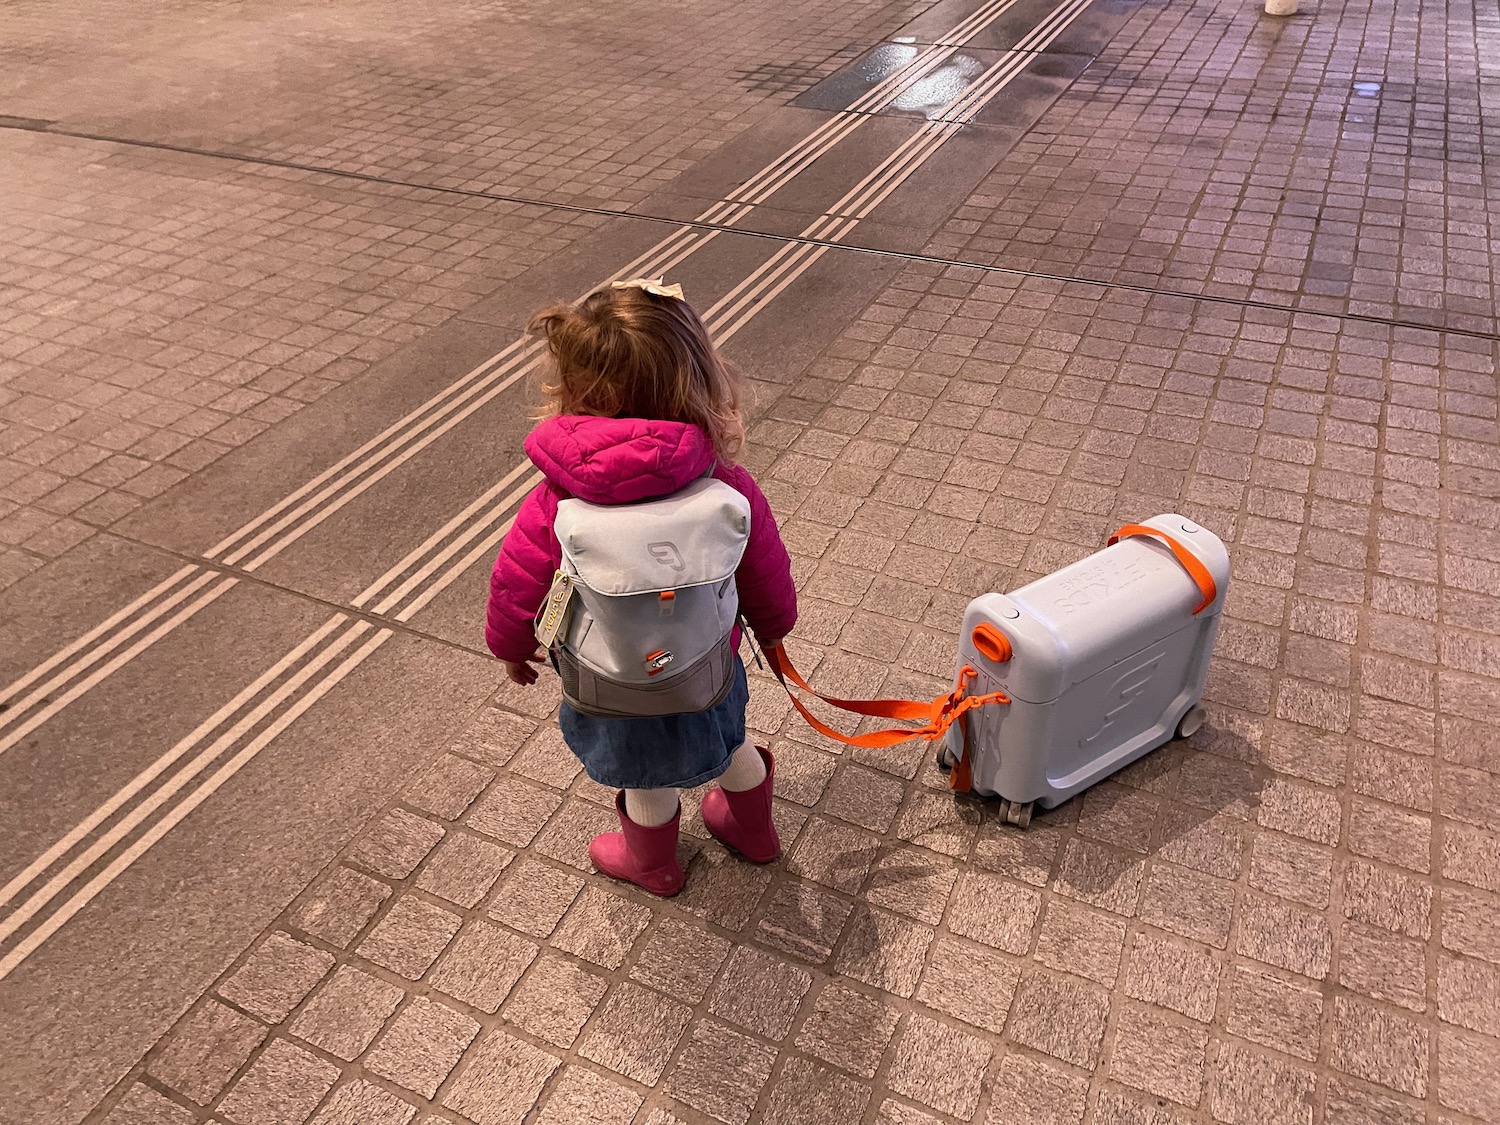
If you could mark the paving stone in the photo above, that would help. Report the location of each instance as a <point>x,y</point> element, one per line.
<point>1077,939</point>
<point>635,1032</point>
<point>205,1051</point>
<point>848,1029</point>
<point>1350,1102</point>
<point>1127,1107</point>
<point>1380,1046</point>
<point>1388,899</point>
<point>1253,1087</point>
<point>1100,876</point>
<point>282,1087</point>
<point>346,1013</point>
<point>482,966</point>
<point>835,855</point>
<point>1311,812</point>
<point>803,920</point>
<point>883,950</point>
<point>463,869</point>
<point>1029,1091</point>
<point>1471,923</point>
<point>601,927</point>
<point>567,835</point>
<point>1274,1013</point>
<point>805,1091</point>
<point>582,1097</point>
<point>1182,976</point>
<point>1059,1017</point>
<point>1189,904</point>
<point>555,1000</point>
<point>277,976</point>
<point>397,844</point>
<point>142,1105</point>
<point>1291,869</point>
<point>939,1066</point>
<point>1468,993</point>
<point>893,1112</point>
<point>681,960</point>
<point>361,1103</point>
<point>338,907</point>
<point>1468,1074</point>
<point>864,797</point>
<point>723,889</point>
<point>937,821</point>
<point>1288,937</point>
<point>720,1072</point>
<point>1159,1055</point>
<point>501,1080</point>
<point>421,1048</point>
<point>994,911</point>
<point>1382,965</point>
<point>913,882</point>
<point>760,992</point>
<point>448,787</point>
<point>513,811</point>
<point>1026,856</point>
<point>410,936</point>
<point>970,983</point>
<point>534,897</point>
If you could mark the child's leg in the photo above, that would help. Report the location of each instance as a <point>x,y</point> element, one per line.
<point>747,769</point>
<point>738,812</point>
<point>651,808</point>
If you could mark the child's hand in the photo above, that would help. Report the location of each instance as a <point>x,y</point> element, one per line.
<point>521,671</point>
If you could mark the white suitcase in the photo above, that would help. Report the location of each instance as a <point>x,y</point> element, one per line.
<point>1103,661</point>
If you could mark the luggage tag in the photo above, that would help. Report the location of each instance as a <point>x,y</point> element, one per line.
<point>552,622</point>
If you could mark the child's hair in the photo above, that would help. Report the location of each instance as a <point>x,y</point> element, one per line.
<point>624,352</point>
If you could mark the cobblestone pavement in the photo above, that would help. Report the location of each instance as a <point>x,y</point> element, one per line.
<point>164,309</point>
<point>1292,918</point>
<point>1341,164</point>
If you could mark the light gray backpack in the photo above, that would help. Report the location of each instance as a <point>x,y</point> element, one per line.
<point>641,612</point>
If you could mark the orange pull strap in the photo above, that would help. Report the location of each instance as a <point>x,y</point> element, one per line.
<point>1190,562</point>
<point>935,716</point>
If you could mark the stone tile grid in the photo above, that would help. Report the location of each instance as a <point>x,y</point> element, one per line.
<point>164,310</point>
<point>1369,119</point>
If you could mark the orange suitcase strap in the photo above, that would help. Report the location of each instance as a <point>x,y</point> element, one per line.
<point>935,715</point>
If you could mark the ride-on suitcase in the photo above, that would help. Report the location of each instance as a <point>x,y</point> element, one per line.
<point>1103,661</point>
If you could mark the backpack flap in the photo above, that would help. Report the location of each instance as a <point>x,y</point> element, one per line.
<point>691,538</point>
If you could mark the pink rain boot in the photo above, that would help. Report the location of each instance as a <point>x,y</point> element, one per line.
<point>644,856</point>
<point>742,821</point>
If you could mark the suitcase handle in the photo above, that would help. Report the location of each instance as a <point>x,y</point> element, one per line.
<point>1190,562</point>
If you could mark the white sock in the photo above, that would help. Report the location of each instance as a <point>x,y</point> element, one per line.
<point>747,769</point>
<point>651,808</point>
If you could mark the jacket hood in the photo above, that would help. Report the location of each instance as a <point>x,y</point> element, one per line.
<point>619,460</point>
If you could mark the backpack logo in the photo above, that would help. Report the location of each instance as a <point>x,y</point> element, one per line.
<point>667,554</point>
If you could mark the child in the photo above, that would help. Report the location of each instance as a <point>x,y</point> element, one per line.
<point>641,405</point>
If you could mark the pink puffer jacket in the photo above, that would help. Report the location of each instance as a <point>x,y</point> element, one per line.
<point>622,461</point>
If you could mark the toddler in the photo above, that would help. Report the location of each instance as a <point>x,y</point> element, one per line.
<point>640,406</point>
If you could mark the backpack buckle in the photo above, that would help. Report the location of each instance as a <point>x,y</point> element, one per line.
<point>657,661</point>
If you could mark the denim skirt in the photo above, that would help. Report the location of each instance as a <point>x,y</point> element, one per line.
<point>664,750</point>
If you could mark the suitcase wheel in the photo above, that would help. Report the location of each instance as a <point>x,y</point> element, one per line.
<point>1016,813</point>
<point>944,760</point>
<point>1192,722</point>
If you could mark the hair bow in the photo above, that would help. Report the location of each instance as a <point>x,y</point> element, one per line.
<point>655,285</point>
